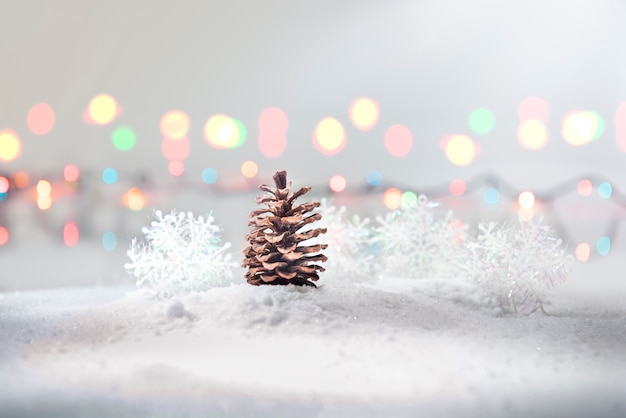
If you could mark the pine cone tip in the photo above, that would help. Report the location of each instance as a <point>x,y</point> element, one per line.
<point>280,179</point>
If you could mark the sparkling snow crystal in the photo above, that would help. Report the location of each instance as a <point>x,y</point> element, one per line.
<point>180,253</point>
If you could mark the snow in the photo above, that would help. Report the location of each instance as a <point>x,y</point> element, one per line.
<point>395,347</point>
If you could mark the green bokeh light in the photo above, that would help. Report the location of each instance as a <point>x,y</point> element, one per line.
<point>124,138</point>
<point>408,199</point>
<point>481,121</point>
<point>600,126</point>
<point>241,138</point>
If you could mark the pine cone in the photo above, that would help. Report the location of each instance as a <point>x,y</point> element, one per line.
<point>275,255</point>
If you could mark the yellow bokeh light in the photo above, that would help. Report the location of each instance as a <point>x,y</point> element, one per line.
<point>526,200</point>
<point>44,188</point>
<point>460,150</point>
<point>175,124</point>
<point>10,145</point>
<point>579,128</point>
<point>44,202</point>
<point>249,169</point>
<point>392,198</point>
<point>135,199</point>
<point>329,137</point>
<point>102,109</point>
<point>221,131</point>
<point>364,113</point>
<point>532,134</point>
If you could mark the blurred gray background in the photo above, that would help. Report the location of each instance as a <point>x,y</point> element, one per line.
<point>428,64</point>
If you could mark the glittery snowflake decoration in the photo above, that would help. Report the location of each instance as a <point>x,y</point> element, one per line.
<point>350,244</point>
<point>517,266</point>
<point>180,253</point>
<point>416,243</point>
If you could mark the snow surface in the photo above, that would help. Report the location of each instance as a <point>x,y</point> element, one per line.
<point>396,347</point>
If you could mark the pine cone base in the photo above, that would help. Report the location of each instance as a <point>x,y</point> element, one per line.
<point>276,255</point>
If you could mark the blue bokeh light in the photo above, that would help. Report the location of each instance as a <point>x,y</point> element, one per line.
<point>109,175</point>
<point>209,175</point>
<point>603,246</point>
<point>491,196</point>
<point>605,190</point>
<point>374,178</point>
<point>109,241</point>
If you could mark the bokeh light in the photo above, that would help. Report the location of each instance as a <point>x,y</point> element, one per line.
<point>580,128</point>
<point>175,149</point>
<point>4,235</point>
<point>533,108</point>
<point>398,140</point>
<point>337,183</point>
<point>102,110</point>
<point>526,200</point>
<point>4,184</point>
<point>408,199</point>
<point>459,149</point>
<point>109,241</point>
<point>44,194</point>
<point>392,198</point>
<point>605,190</point>
<point>374,178</point>
<point>44,202</point>
<point>481,121</point>
<point>457,187</point>
<point>110,175</point>
<point>329,137</point>
<point>124,138</point>
<point>71,234</point>
<point>491,196</point>
<point>620,126</point>
<point>21,179</point>
<point>10,145</point>
<point>457,227</point>
<point>584,188</point>
<point>175,125</point>
<point>221,131</point>
<point>364,113</point>
<point>525,214</point>
<point>135,199</point>
<point>71,173</point>
<point>582,252</point>
<point>176,168</point>
<point>603,246</point>
<point>249,169</point>
<point>44,187</point>
<point>40,119</point>
<point>209,175</point>
<point>4,188</point>
<point>273,120</point>
<point>273,125</point>
<point>532,134</point>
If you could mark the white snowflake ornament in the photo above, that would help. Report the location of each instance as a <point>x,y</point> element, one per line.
<point>181,253</point>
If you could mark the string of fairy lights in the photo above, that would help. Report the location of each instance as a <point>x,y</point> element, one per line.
<point>221,131</point>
